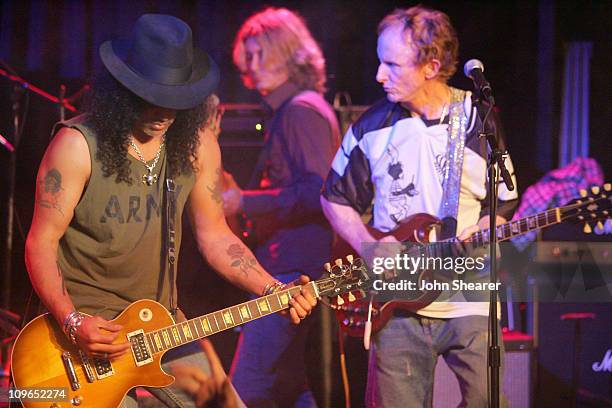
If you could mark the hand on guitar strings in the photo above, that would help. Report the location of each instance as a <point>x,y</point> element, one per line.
<point>482,224</point>
<point>208,390</point>
<point>95,336</point>
<point>386,247</point>
<point>302,304</point>
<point>468,232</point>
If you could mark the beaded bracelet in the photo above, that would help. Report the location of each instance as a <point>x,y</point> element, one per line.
<point>272,287</point>
<point>72,322</point>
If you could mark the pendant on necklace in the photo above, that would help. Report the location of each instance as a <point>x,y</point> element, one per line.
<point>149,179</point>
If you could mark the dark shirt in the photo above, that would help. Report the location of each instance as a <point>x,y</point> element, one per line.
<point>301,140</point>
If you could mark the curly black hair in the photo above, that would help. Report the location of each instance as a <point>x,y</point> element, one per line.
<point>113,109</point>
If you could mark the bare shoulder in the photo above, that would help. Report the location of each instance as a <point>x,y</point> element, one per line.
<point>67,156</point>
<point>63,174</point>
<point>69,145</point>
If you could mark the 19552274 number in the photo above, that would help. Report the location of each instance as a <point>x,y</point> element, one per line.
<point>42,394</point>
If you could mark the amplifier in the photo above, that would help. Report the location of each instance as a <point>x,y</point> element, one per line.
<point>517,378</point>
<point>564,342</point>
<point>241,139</point>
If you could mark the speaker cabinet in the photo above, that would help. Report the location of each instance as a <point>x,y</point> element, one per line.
<point>517,376</point>
<point>562,344</point>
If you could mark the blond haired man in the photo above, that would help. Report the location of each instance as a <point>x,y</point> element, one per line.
<point>278,57</point>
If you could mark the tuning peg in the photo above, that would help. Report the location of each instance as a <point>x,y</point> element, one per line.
<point>583,192</point>
<point>351,297</point>
<point>339,300</point>
<point>349,258</point>
<point>327,266</point>
<point>338,262</point>
<point>587,228</point>
<point>595,189</point>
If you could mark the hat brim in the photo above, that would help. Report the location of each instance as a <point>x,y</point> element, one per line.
<point>204,79</point>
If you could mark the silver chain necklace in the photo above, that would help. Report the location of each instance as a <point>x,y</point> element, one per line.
<point>149,179</point>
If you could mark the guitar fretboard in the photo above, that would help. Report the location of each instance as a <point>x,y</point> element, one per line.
<point>522,226</point>
<point>203,326</point>
<point>504,232</point>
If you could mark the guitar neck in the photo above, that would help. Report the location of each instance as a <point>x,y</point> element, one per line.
<point>521,226</point>
<point>181,333</point>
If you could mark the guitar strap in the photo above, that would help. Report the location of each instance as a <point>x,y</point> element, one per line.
<point>457,126</point>
<point>170,254</point>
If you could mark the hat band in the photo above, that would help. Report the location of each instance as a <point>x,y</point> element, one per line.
<point>157,73</point>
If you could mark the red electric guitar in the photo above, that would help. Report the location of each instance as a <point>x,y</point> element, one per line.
<point>590,209</point>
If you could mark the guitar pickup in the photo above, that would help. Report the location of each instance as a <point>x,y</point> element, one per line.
<point>140,350</point>
<point>103,368</point>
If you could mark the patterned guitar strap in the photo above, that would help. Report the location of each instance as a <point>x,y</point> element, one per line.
<point>457,126</point>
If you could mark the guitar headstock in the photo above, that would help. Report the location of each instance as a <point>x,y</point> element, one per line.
<point>343,278</point>
<point>593,208</point>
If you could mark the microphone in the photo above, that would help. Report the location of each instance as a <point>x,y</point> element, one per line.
<point>474,69</point>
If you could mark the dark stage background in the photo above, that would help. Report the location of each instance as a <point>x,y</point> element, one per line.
<point>520,42</point>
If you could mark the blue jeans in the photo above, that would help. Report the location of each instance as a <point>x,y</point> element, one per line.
<point>269,369</point>
<point>403,360</point>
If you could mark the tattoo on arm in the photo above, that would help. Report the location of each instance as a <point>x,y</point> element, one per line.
<point>241,260</point>
<point>50,190</point>
<point>61,275</point>
<point>216,191</point>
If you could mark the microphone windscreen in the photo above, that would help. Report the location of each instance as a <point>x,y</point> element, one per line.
<point>472,64</point>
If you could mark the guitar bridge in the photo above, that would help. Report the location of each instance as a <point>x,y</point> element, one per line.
<point>140,350</point>
<point>87,367</point>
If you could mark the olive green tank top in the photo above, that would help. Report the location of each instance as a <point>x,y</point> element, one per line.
<point>112,252</point>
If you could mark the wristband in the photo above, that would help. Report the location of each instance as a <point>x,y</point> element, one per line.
<point>273,287</point>
<point>72,321</point>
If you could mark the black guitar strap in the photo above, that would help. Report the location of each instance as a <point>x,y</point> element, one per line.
<point>170,255</point>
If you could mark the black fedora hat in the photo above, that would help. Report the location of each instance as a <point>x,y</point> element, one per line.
<point>159,63</point>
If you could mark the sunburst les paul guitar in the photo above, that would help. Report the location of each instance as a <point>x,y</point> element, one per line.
<point>592,208</point>
<point>43,357</point>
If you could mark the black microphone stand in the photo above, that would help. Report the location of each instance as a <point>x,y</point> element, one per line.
<point>495,165</point>
<point>16,96</point>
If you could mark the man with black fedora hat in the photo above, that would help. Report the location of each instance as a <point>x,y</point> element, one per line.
<point>147,146</point>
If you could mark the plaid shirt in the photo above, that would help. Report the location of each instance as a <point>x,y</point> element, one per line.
<point>555,189</point>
